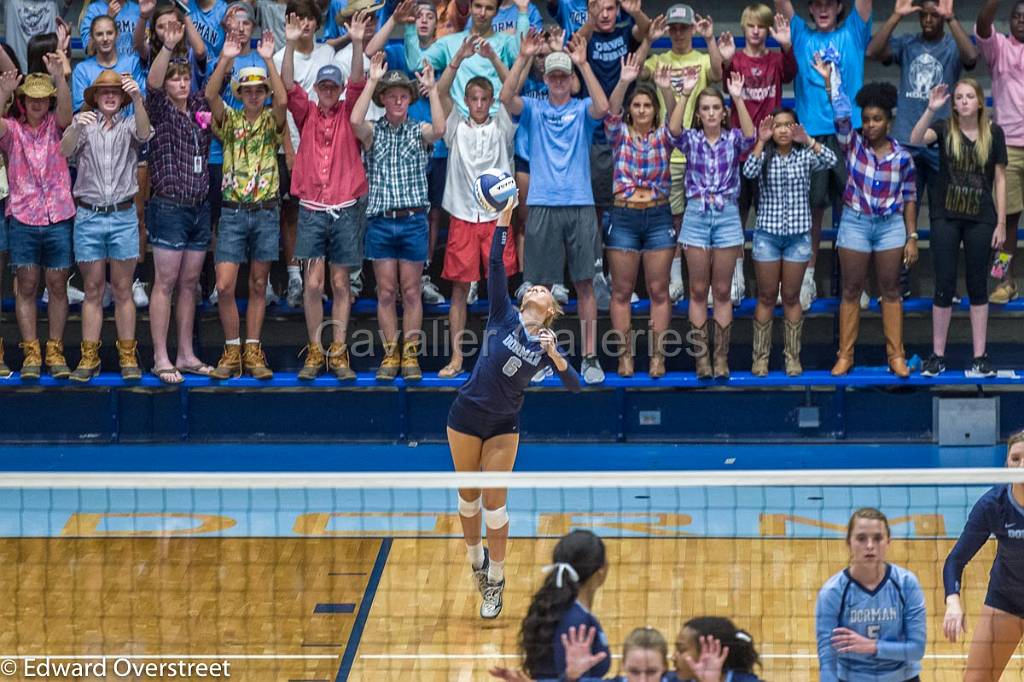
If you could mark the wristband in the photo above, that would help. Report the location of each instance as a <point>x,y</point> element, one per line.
<point>914,236</point>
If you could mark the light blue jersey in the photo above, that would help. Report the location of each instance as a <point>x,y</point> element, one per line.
<point>893,614</point>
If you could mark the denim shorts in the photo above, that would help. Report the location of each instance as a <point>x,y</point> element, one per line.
<point>795,248</point>
<point>106,236</point>
<point>397,238</point>
<point>644,229</point>
<point>4,239</point>
<point>47,246</point>
<point>178,227</point>
<point>338,237</point>
<point>710,228</point>
<point>865,233</point>
<point>244,236</point>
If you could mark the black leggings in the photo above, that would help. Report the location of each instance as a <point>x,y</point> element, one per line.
<point>946,236</point>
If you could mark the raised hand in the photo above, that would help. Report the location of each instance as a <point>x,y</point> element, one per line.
<point>766,128</point>
<point>945,9</point>
<point>468,49</point>
<point>726,46</point>
<point>522,5</point>
<point>173,35</point>
<point>265,48</point>
<point>577,49</point>
<point>708,667</point>
<point>113,8</point>
<point>658,28</point>
<point>578,641</point>
<point>485,49</point>
<point>663,77</point>
<point>800,135</point>
<point>904,8</point>
<point>780,31</point>
<point>691,75</point>
<point>359,26</point>
<point>54,66</point>
<point>556,38</point>
<point>232,48</point>
<point>63,36</point>
<point>822,67</point>
<point>405,12</point>
<point>549,344</point>
<point>938,97</point>
<point>631,68</point>
<point>532,43</point>
<point>86,118</point>
<point>146,8</point>
<point>130,87</point>
<point>426,76</point>
<point>630,7</point>
<point>378,67</point>
<point>9,82</point>
<point>292,28</point>
<point>705,27</point>
<point>735,85</point>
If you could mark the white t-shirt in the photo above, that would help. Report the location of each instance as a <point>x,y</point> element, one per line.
<point>306,68</point>
<point>343,60</point>
<point>472,149</point>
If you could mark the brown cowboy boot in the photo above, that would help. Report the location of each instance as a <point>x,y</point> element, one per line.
<point>792,336</point>
<point>338,362</point>
<point>315,362</point>
<point>702,350</point>
<point>849,325</point>
<point>762,348</point>
<point>32,365</point>
<point>56,364</point>
<point>892,327</point>
<point>721,361</point>
<point>5,371</point>
<point>656,367</point>
<point>254,362</point>
<point>89,365</point>
<point>230,364</point>
<point>128,356</point>
<point>625,368</point>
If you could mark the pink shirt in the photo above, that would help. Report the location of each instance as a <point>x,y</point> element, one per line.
<point>37,173</point>
<point>1005,57</point>
<point>328,164</point>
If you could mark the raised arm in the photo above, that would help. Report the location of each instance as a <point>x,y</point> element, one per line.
<point>486,50</point>
<point>143,129</point>
<point>987,15</point>
<point>511,86</point>
<point>705,28</point>
<point>140,35</point>
<point>9,82</point>
<point>752,166</point>
<point>402,16</point>
<point>722,57</point>
<point>292,33</point>
<point>357,29</point>
<point>690,77</point>
<point>162,59</point>
<point>663,80</point>
<point>785,8</point>
<point>630,70</point>
<point>279,108</point>
<point>864,9</point>
<point>434,131</point>
<point>444,85</point>
<point>922,134</point>
<point>736,92</point>
<point>363,129</point>
<point>577,50</point>
<point>195,41</point>
<point>878,48</point>
<point>55,67</point>
<point>968,50</point>
<point>72,134</point>
<point>498,304</point>
<point>642,21</point>
<point>215,85</point>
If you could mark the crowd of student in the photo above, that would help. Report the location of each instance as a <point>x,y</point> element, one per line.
<point>268,130</point>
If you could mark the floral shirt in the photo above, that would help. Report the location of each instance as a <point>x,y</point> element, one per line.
<point>40,183</point>
<point>250,156</point>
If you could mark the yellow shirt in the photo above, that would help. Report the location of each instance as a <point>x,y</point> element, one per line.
<point>677,63</point>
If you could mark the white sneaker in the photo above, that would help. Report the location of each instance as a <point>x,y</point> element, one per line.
<point>213,297</point>
<point>139,294</point>
<point>474,293</point>
<point>75,295</point>
<point>491,606</point>
<point>108,295</point>
<point>431,294</point>
<point>676,291</point>
<point>272,297</point>
<point>355,282</point>
<point>808,291</point>
<point>739,286</point>
<point>633,298</point>
<point>294,295</point>
<point>561,293</point>
<point>521,291</point>
<point>865,300</point>
<point>602,291</point>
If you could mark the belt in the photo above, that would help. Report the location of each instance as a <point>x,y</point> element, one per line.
<point>251,205</point>
<point>181,202</point>
<point>112,208</point>
<point>402,212</point>
<point>638,205</point>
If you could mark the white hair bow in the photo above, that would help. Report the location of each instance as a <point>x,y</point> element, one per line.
<point>561,568</point>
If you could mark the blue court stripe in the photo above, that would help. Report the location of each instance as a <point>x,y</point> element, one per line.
<point>349,657</point>
<point>334,608</point>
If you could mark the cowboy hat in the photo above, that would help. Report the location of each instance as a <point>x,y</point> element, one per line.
<point>38,85</point>
<point>106,79</point>
<point>395,79</point>
<point>250,75</point>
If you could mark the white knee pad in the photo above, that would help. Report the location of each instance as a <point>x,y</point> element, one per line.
<point>470,508</point>
<point>496,518</point>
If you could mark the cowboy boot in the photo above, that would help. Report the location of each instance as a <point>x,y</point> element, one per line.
<point>702,350</point>
<point>721,360</point>
<point>762,347</point>
<point>892,327</point>
<point>792,335</point>
<point>849,325</point>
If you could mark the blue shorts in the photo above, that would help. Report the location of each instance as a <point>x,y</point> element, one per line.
<point>467,419</point>
<point>644,229</point>
<point>4,239</point>
<point>244,236</point>
<point>865,233</point>
<point>397,238</point>
<point>521,165</point>
<point>710,228</point>
<point>106,236</point>
<point>795,248</point>
<point>1012,604</point>
<point>47,246</point>
<point>178,227</point>
<point>338,238</point>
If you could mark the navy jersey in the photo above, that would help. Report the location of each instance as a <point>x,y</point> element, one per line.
<point>996,513</point>
<point>510,358</point>
<point>893,614</point>
<point>576,616</point>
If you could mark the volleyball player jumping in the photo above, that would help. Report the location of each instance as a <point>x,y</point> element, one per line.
<point>483,423</point>
<point>999,512</point>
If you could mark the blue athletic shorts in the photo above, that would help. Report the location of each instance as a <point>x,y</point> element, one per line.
<point>465,418</point>
<point>1012,604</point>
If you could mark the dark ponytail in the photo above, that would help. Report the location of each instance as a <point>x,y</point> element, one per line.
<point>584,552</point>
<point>742,654</point>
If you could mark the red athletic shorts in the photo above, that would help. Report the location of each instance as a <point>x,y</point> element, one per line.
<point>469,248</point>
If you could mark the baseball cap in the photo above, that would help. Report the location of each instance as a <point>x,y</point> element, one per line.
<point>679,14</point>
<point>329,72</point>
<point>557,61</point>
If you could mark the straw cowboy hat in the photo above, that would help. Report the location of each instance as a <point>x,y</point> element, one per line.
<point>38,85</point>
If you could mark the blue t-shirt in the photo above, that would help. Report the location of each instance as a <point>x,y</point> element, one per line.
<point>506,18</point>
<point>570,15</point>
<point>332,29</point>
<point>86,71</point>
<point>125,20</point>
<point>208,25</point>
<point>559,148</point>
<point>893,614</point>
<point>851,41</point>
<point>923,65</point>
<point>533,88</point>
<point>606,50</point>
<point>996,513</point>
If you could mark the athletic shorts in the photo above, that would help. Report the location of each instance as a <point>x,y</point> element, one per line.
<point>1012,604</point>
<point>467,419</point>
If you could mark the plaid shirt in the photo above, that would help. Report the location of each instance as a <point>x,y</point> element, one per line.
<point>874,186</point>
<point>177,143</point>
<point>397,167</point>
<point>712,170</point>
<point>782,206</point>
<point>641,162</point>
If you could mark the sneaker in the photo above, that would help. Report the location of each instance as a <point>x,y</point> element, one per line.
<point>75,295</point>
<point>676,291</point>
<point>355,282</point>
<point>213,297</point>
<point>933,366</point>
<point>808,291</point>
<point>108,295</point>
<point>633,298</point>
<point>956,299</point>
<point>272,297</point>
<point>521,291</point>
<point>1004,292</point>
<point>431,294</point>
<point>592,372</point>
<point>474,293</point>
<point>480,574</point>
<point>865,300</point>
<point>294,295</point>
<point>981,367</point>
<point>492,599</point>
<point>739,285</point>
<point>561,293</point>
<point>139,294</point>
<point>602,291</point>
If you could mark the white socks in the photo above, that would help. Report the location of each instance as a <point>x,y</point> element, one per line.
<point>495,571</point>
<point>677,269</point>
<point>294,272</point>
<point>476,555</point>
<point>233,342</point>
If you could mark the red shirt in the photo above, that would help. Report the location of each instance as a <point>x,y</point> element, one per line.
<point>762,82</point>
<point>328,164</point>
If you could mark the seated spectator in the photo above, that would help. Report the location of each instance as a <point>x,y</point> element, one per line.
<point>40,208</point>
<point>397,151</point>
<point>104,143</point>
<point>125,15</point>
<point>151,35</point>
<point>249,225</point>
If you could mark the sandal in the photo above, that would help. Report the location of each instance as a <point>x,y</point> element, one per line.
<point>450,371</point>
<point>166,375</point>
<point>202,369</point>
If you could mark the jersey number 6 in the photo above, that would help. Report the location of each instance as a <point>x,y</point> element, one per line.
<point>512,366</point>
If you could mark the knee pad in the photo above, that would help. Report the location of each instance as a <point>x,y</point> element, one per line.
<point>496,518</point>
<point>470,508</point>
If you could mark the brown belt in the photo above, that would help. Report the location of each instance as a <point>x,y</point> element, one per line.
<point>402,212</point>
<point>251,205</point>
<point>639,205</point>
<point>112,208</point>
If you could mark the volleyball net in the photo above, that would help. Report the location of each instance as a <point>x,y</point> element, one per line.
<point>365,577</point>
